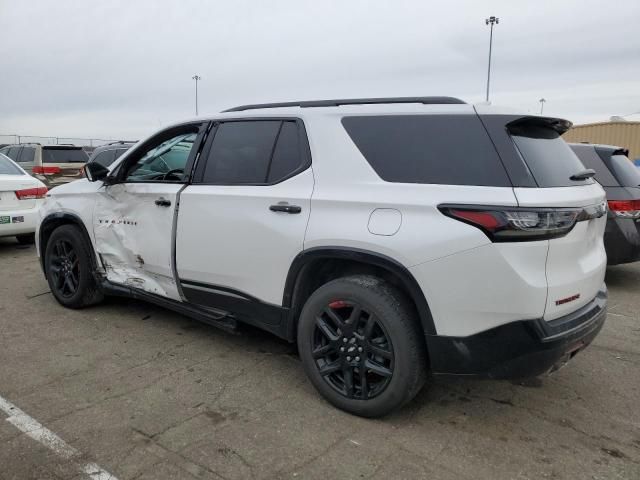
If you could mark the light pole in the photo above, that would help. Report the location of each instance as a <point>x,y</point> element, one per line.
<point>490,21</point>
<point>542,100</point>
<point>196,78</point>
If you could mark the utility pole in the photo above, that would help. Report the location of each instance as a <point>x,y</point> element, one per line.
<point>542,100</point>
<point>490,21</point>
<point>196,78</point>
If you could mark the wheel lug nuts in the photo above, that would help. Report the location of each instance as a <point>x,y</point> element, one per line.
<point>344,340</point>
<point>342,349</point>
<point>360,349</point>
<point>348,359</point>
<point>357,359</point>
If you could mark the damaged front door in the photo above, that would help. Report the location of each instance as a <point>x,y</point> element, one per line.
<point>135,212</point>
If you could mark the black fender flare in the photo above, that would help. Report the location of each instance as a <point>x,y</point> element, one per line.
<point>362,256</point>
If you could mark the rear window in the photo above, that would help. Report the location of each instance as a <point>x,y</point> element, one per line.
<point>7,167</point>
<point>64,155</point>
<point>625,171</point>
<point>549,158</point>
<point>436,149</point>
<point>590,159</point>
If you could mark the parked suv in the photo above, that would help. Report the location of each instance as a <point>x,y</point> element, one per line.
<point>621,181</point>
<point>51,164</point>
<point>105,155</point>
<point>387,237</point>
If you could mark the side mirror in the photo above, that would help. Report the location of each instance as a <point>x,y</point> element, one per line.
<point>94,171</point>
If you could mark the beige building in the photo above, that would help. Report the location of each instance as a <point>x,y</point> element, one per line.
<point>621,134</point>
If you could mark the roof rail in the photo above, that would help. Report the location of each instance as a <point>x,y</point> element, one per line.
<point>118,142</point>
<point>28,143</point>
<point>352,101</point>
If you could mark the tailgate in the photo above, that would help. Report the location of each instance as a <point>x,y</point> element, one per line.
<point>576,263</point>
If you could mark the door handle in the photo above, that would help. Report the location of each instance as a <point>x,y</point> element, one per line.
<point>163,202</point>
<point>283,207</point>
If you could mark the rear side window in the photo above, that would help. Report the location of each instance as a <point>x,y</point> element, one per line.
<point>13,153</point>
<point>105,158</point>
<point>8,168</point>
<point>254,153</point>
<point>590,159</point>
<point>27,155</point>
<point>549,158</point>
<point>287,156</point>
<point>436,149</point>
<point>625,171</point>
<point>64,155</point>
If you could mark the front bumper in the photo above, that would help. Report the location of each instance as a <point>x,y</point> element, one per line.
<point>520,349</point>
<point>622,240</point>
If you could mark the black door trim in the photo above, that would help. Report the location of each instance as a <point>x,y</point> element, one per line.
<point>243,306</point>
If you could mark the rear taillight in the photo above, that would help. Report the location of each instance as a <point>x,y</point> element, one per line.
<point>625,208</point>
<point>31,193</point>
<point>518,224</point>
<point>46,170</point>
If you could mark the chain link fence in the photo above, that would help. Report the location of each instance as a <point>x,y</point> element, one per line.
<point>87,143</point>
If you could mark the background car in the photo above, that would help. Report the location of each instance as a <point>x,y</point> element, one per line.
<point>105,155</point>
<point>51,164</point>
<point>20,198</point>
<point>621,182</point>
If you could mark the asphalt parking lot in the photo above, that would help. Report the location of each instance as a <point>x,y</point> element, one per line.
<point>144,393</point>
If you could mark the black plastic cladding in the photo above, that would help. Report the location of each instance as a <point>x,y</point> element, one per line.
<point>351,101</point>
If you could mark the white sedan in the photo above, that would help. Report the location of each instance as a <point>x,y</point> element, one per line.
<point>20,198</point>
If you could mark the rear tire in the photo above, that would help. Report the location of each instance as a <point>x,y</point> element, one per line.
<point>70,268</point>
<point>361,345</point>
<point>26,239</point>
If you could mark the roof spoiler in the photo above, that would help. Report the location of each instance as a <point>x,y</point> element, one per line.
<point>560,125</point>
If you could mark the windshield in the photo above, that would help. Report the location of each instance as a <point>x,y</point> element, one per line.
<point>625,171</point>
<point>7,167</point>
<point>64,155</point>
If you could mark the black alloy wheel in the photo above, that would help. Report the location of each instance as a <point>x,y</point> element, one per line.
<point>64,267</point>
<point>361,345</point>
<point>352,350</point>
<point>70,268</point>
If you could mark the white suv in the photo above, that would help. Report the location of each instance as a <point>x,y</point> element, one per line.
<point>388,237</point>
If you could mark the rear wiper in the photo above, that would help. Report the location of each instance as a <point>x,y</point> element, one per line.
<point>583,175</point>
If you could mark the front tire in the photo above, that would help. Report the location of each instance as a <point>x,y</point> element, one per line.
<point>70,270</point>
<point>361,346</point>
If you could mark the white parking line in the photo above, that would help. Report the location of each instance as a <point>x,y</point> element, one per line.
<point>31,427</point>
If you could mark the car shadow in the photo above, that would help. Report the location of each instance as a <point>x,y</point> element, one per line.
<point>624,275</point>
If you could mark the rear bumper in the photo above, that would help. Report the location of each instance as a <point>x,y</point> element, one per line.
<point>622,240</point>
<point>20,222</point>
<point>519,349</point>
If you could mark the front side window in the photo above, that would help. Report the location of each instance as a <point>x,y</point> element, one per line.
<point>7,167</point>
<point>163,162</point>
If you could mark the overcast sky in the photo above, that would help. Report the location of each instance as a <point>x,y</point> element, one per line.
<point>122,69</point>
